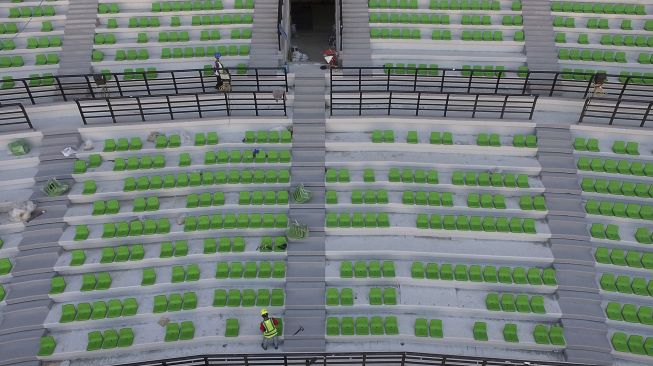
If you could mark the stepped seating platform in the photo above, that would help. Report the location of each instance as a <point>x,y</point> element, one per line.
<point>410,34</point>
<point>34,37</point>
<point>144,37</point>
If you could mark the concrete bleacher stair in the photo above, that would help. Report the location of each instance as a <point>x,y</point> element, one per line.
<point>540,47</point>
<point>78,35</point>
<point>265,50</point>
<point>356,46</point>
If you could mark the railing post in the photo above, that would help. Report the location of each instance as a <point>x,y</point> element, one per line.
<point>206,361</point>
<point>469,81</point>
<point>530,117</point>
<point>113,115</point>
<point>387,84</point>
<point>226,103</point>
<point>582,112</point>
<point>258,86</point>
<point>364,359</point>
<point>390,103</point>
<point>419,97</point>
<point>648,110</point>
<point>285,77</point>
<point>88,83</point>
<point>172,116</point>
<point>255,104</point>
<point>147,83</point>
<point>496,86</point>
<point>503,107</point>
<point>29,92</point>
<point>614,112</point>
<point>403,358</point>
<point>285,113</point>
<point>81,112</point>
<point>115,77</point>
<point>29,122</point>
<point>360,103</point>
<point>444,72</point>
<point>140,108</point>
<point>201,72</point>
<point>446,105</point>
<point>174,81</point>
<point>475,105</point>
<point>415,80</point>
<point>528,75</point>
<point>623,88</point>
<point>553,85</point>
<point>61,90</point>
<point>589,84</point>
<point>199,107</point>
<point>360,81</point>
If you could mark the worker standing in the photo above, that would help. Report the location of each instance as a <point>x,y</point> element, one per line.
<point>269,329</point>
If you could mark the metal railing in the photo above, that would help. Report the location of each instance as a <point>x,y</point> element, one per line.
<point>13,117</point>
<point>340,24</point>
<point>71,87</point>
<point>542,83</point>
<point>279,19</point>
<point>180,106</point>
<point>345,359</point>
<point>617,111</point>
<point>433,104</point>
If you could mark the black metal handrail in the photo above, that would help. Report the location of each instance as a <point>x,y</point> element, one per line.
<point>617,111</point>
<point>179,106</point>
<point>448,80</point>
<point>341,24</point>
<point>279,20</point>
<point>433,104</point>
<point>12,115</point>
<point>353,358</point>
<point>48,89</point>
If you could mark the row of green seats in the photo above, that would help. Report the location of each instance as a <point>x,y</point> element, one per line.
<point>8,28</point>
<point>120,253</point>
<point>340,175</point>
<point>626,24</point>
<point>476,20</point>
<point>567,22</point>
<point>476,223</point>
<point>635,344</point>
<point>106,8</point>
<point>136,163</point>
<point>189,52</point>
<point>92,281</point>
<point>486,179</point>
<point>246,297</point>
<point>615,166</point>
<point>601,231</point>
<point>335,297</point>
<point>200,178</point>
<point>109,339</point>
<point>510,20</point>
<point>225,245</point>
<point>396,33</point>
<point>645,58</point>
<point>261,269</point>
<point>40,42</point>
<point>132,55</point>
<point>468,5</point>
<point>263,297</point>
<point>246,156</point>
<point>478,35</point>
<point>385,296</point>
<point>413,176</point>
<point>263,198</point>
<point>5,266</point>
<point>597,23</point>
<point>142,204</point>
<point>591,55</point>
<point>583,144</point>
<point>492,139</point>
<point>268,137</point>
<point>411,69</point>
<point>532,203</point>
<point>32,11</point>
<point>363,269</point>
<point>644,236</point>
<point>166,6</point>
<point>197,20</point>
<point>205,199</point>
<point>185,274</point>
<point>515,302</point>
<point>375,325</point>
<point>629,313</point>
<point>422,198</point>
<point>393,4</point>
<point>487,200</point>
<point>143,22</point>
<point>626,285</point>
<point>109,207</point>
<point>134,228</point>
<point>277,244</point>
<point>183,331</point>
<point>477,273</point>
<point>357,220</point>
<point>620,257</point>
<point>625,188</point>
<point>379,136</point>
<point>81,166</point>
<point>432,328</point>
<point>413,18</point>
<point>545,335</point>
<point>625,147</point>
<point>184,36</point>
<point>619,209</point>
<point>580,74</point>
<point>113,308</point>
<point>169,249</point>
<point>598,8</point>
<point>489,71</point>
<point>11,61</point>
<point>174,302</point>
<point>236,221</point>
<point>122,144</point>
<point>162,141</point>
<point>630,40</point>
<point>209,138</point>
<point>107,38</point>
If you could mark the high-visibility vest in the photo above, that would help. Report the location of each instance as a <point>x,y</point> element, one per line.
<point>270,329</point>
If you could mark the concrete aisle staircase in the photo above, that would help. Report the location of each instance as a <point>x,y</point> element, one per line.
<point>79,32</point>
<point>304,327</point>
<point>541,52</point>
<point>356,45</point>
<point>27,298</point>
<point>578,292</point>
<point>265,46</point>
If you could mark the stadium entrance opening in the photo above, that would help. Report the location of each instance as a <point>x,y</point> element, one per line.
<point>313,28</point>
